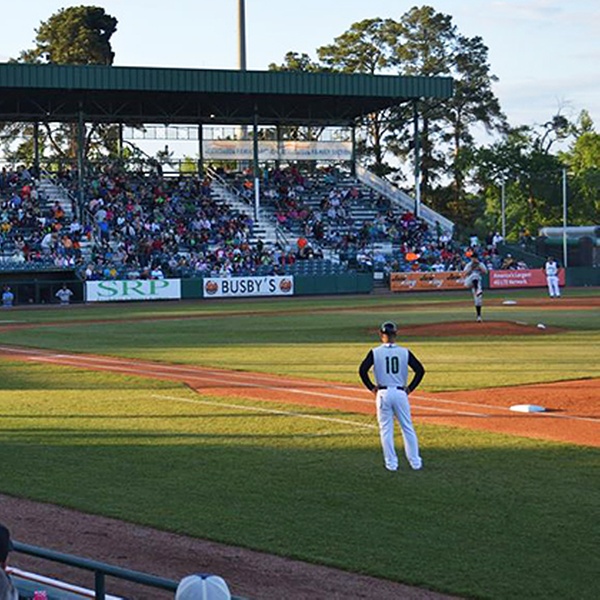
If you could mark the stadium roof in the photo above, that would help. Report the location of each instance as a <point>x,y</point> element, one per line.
<point>109,94</point>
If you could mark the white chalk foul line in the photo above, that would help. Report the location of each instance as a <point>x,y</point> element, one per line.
<point>285,413</point>
<point>133,367</point>
<point>120,367</point>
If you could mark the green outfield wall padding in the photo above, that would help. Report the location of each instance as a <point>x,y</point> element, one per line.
<point>304,285</point>
<point>583,276</point>
<point>347,283</point>
<point>191,288</point>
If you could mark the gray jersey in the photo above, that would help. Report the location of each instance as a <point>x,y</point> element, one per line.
<point>475,270</point>
<point>390,365</point>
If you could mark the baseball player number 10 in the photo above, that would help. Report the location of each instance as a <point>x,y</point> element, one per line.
<point>392,364</point>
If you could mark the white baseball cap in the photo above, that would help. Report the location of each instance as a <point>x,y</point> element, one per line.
<point>202,586</point>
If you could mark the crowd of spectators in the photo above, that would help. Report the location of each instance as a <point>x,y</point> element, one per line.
<point>32,233</point>
<point>140,224</point>
<point>321,208</point>
<point>149,226</point>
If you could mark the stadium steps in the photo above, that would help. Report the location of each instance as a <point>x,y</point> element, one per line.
<point>402,201</point>
<point>50,193</point>
<point>262,229</point>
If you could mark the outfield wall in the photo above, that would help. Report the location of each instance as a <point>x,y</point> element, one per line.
<point>35,292</point>
<point>296,285</point>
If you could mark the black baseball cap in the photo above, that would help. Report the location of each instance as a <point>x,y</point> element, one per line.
<point>389,328</point>
<point>6,544</point>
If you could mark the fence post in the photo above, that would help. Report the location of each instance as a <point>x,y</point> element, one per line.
<point>100,585</point>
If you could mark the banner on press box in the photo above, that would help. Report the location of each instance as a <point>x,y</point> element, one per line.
<point>272,150</point>
<point>135,289</point>
<point>232,287</point>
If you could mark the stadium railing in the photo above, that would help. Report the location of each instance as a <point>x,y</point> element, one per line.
<point>101,570</point>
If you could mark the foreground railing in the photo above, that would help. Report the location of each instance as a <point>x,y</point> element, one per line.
<point>100,570</point>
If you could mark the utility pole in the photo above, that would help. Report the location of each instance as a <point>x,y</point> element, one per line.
<point>564,194</point>
<point>503,208</point>
<point>241,35</point>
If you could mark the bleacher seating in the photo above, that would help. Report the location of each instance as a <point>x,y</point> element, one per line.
<point>35,229</point>
<point>141,224</point>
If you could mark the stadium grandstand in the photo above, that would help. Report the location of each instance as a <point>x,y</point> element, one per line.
<point>119,220</point>
<point>130,218</point>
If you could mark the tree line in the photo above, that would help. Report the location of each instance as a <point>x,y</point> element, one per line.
<point>459,176</point>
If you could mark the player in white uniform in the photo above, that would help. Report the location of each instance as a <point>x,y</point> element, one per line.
<point>64,295</point>
<point>473,274</point>
<point>551,270</point>
<point>390,364</point>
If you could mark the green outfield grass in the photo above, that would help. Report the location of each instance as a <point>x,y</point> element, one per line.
<point>326,339</point>
<point>491,516</point>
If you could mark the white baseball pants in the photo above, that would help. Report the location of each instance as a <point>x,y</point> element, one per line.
<point>393,402</point>
<point>553,287</point>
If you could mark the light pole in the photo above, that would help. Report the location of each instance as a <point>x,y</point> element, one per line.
<point>564,195</point>
<point>503,208</point>
<point>241,35</point>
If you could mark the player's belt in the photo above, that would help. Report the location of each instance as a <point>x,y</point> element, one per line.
<point>390,387</point>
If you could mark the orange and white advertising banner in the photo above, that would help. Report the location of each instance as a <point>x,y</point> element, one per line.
<point>231,287</point>
<point>519,278</point>
<point>410,282</point>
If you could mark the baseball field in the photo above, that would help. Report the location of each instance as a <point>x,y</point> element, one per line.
<point>244,423</point>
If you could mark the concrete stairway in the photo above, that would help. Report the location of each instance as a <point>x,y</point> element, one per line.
<point>263,229</point>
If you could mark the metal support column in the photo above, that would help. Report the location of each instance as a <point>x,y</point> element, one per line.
<point>80,163</point>
<point>36,149</point>
<point>256,170</point>
<point>503,208</point>
<point>417,159</point>
<point>279,145</point>
<point>353,158</point>
<point>120,142</point>
<point>200,151</point>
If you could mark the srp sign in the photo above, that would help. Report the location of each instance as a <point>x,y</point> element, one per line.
<point>134,289</point>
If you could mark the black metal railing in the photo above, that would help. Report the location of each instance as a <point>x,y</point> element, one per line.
<point>100,570</point>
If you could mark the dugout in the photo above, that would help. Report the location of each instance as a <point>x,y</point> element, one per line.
<point>40,286</point>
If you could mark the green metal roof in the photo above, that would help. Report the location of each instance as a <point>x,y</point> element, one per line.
<point>140,94</point>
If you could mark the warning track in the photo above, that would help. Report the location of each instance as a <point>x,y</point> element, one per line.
<point>573,413</point>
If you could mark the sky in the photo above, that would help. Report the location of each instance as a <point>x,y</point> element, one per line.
<point>545,53</point>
